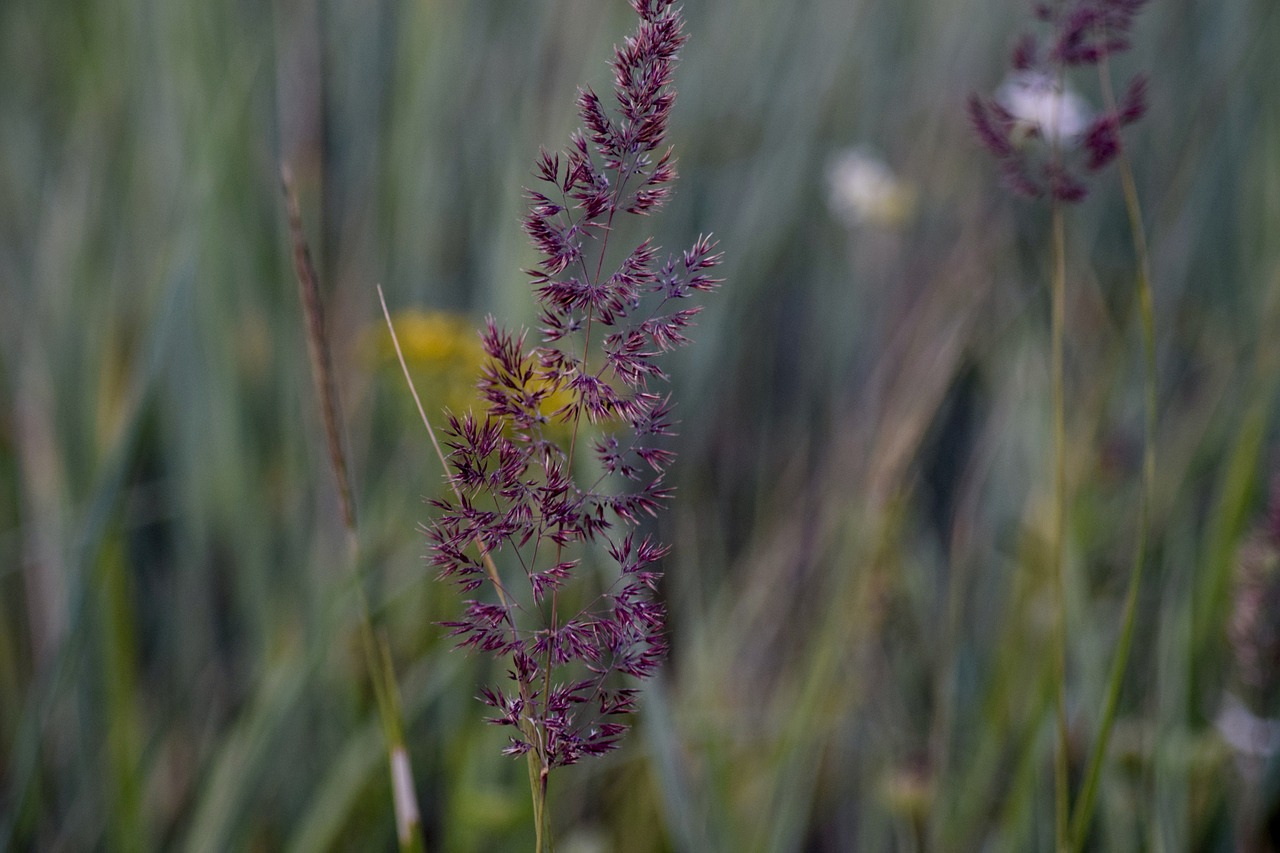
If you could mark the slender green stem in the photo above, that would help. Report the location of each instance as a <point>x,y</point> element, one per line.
<point>1088,794</point>
<point>1058,531</point>
<point>535,770</point>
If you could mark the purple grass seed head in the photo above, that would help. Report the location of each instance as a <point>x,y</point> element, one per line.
<point>521,522</point>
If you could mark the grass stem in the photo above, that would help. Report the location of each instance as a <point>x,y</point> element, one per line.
<point>1058,530</point>
<point>1146,312</point>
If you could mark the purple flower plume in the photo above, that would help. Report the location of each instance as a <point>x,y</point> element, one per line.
<point>523,517</point>
<point>1035,127</point>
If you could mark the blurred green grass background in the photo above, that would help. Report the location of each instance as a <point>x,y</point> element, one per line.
<point>859,601</point>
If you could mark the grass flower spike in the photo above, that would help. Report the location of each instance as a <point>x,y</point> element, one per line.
<point>528,514</point>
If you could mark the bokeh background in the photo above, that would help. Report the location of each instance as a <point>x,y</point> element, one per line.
<point>860,604</point>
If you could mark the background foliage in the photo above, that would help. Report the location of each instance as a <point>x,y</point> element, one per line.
<point>859,602</point>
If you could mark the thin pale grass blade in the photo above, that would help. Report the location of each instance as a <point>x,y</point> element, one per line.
<point>426,422</point>
<point>490,568</point>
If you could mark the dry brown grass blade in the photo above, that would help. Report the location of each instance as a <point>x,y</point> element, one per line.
<point>318,349</point>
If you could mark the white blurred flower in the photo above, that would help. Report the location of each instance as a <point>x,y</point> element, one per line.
<point>1245,732</point>
<point>862,189</point>
<point>1038,102</point>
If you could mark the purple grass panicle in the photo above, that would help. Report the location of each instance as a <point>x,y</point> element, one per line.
<point>528,513</point>
<point>1043,135</point>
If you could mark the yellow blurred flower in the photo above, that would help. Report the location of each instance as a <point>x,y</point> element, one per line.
<point>445,359</point>
<point>433,338</point>
<point>442,351</point>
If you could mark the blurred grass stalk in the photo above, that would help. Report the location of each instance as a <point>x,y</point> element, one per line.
<point>376,651</point>
<point>1083,811</point>
<point>1057,543</point>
